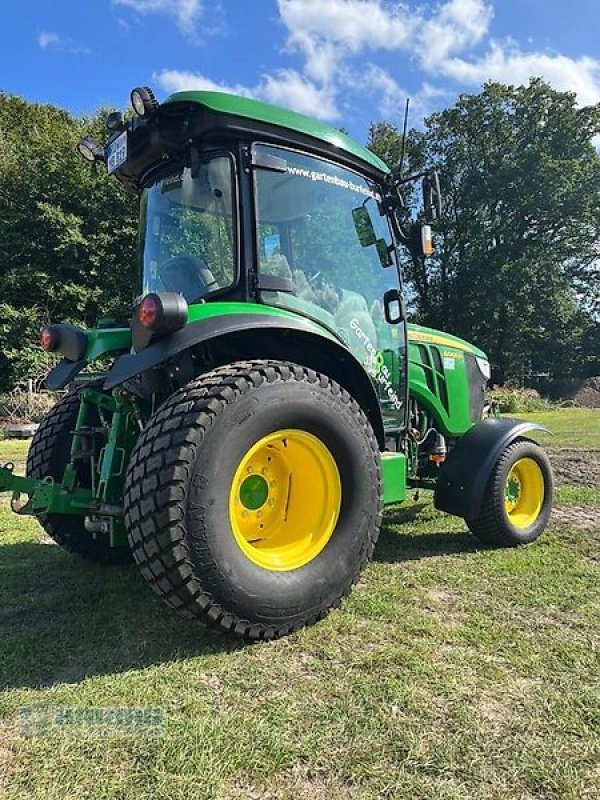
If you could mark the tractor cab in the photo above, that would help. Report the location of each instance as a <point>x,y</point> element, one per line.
<point>240,201</point>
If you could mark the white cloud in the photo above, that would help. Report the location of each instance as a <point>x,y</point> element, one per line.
<point>339,41</point>
<point>186,12</point>
<point>355,24</point>
<point>327,32</point>
<point>330,34</point>
<point>48,39</point>
<point>174,80</point>
<point>391,96</point>
<point>459,25</point>
<point>286,87</point>
<point>508,64</point>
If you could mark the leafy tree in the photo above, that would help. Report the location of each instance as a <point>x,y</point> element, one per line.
<point>67,232</point>
<point>516,267</point>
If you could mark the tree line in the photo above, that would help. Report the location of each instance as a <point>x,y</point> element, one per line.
<point>516,268</point>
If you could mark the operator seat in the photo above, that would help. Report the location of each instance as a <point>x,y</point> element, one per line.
<point>189,276</point>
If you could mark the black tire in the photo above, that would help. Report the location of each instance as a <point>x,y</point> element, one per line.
<point>495,525</point>
<point>177,489</point>
<point>49,453</point>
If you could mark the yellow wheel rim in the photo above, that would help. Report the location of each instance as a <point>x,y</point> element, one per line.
<point>524,493</point>
<point>285,500</point>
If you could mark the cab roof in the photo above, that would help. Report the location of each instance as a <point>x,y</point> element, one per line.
<point>236,106</point>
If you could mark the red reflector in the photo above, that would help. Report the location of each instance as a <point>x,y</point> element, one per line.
<point>47,340</point>
<point>148,311</point>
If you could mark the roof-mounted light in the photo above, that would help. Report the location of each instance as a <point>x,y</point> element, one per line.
<point>143,101</point>
<point>90,150</point>
<point>114,121</point>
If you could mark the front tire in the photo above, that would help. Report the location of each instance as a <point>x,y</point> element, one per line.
<point>517,501</point>
<point>253,498</point>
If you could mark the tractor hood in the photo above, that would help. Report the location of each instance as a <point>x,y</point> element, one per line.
<point>419,333</point>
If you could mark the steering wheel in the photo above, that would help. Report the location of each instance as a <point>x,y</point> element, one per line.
<point>187,275</point>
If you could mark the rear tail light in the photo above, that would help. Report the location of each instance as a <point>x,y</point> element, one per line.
<point>158,314</point>
<point>69,341</point>
<point>148,311</point>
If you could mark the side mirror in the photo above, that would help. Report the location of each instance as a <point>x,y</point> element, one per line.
<point>383,252</point>
<point>432,196</point>
<point>363,226</point>
<point>394,310</point>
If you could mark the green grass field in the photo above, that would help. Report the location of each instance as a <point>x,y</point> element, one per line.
<point>451,672</point>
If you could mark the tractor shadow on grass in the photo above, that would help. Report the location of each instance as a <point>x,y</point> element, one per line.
<point>398,540</point>
<point>63,620</point>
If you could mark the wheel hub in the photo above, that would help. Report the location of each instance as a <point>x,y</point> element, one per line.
<point>254,492</point>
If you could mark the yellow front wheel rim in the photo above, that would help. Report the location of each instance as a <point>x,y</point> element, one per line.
<point>524,493</point>
<point>285,500</point>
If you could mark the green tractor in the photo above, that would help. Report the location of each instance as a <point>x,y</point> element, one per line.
<point>257,415</point>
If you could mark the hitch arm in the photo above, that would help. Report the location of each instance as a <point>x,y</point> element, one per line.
<point>43,495</point>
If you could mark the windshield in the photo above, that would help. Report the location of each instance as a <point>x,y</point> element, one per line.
<point>187,231</point>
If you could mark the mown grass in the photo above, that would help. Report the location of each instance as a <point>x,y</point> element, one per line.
<point>451,672</point>
<point>13,450</point>
<point>570,427</point>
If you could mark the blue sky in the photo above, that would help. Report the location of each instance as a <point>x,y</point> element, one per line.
<point>349,62</point>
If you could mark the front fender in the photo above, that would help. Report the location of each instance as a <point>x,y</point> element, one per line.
<point>463,477</point>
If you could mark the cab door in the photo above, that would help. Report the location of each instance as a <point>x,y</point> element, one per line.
<point>321,230</point>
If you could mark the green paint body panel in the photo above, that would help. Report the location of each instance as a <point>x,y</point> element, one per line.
<point>419,333</point>
<point>107,340</point>
<point>202,311</point>
<point>230,104</point>
<point>444,392</point>
<point>393,468</point>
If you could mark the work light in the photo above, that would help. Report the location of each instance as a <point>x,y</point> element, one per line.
<point>143,101</point>
<point>90,150</point>
<point>114,121</point>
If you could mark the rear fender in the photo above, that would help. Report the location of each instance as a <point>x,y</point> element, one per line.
<point>464,475</point>
<point>264,336</point>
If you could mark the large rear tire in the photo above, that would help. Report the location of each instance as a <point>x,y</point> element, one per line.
<point>253,498</point>
<point>49,454</point>
<point>517,501</point>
